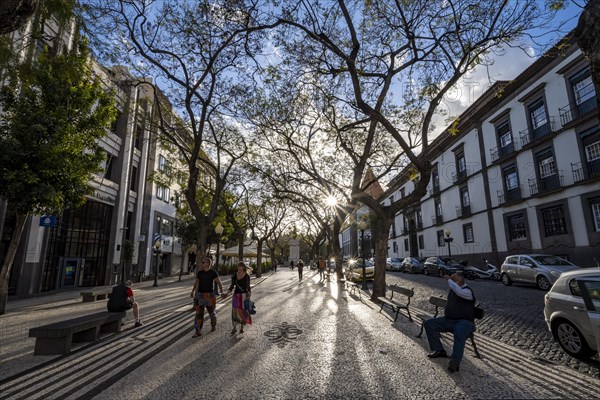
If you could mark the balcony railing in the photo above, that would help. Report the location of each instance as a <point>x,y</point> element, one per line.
<point>509,195</point>
<point>537,186</point>
<point>572,112</point>
<point>403,231</point>
<point>499,152</point>
<point>463,211</point>
<point>419,225</point>
<point>437,219</point>
<point>530,135</point>
<point>456,176</point>
<point>592,170</point>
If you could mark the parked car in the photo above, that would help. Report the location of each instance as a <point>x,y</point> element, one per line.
<point>537,269</point>
<point>414,265</point>
<point>566,316</point>
<point>393,264</point>
<point>442,266</point>
<point>353,270</point>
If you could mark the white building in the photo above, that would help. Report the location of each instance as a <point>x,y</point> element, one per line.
<point>522,175</point>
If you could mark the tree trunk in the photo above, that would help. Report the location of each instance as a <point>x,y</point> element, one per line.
<point>259,245</point>
<point>379,232</point>
<point>9,259</point>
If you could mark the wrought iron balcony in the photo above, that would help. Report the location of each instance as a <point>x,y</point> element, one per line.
<point>463,211</point>
<point>437,219</point>
<point>532,134</point>
<point>537,186</point>
<point>456,176</point>
<point>572,112</point>
<point>499,152</point>
<point>419,225</point>
<point>590,169</point>
<point>509,195</point>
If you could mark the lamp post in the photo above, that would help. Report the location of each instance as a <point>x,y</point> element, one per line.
<point>362,225</point>
<point>448,240</point>
<point>156,251</point>
<point>219,232</point>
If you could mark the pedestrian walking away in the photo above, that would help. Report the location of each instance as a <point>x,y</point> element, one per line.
<point>300,268</point>
<point>121,299</point>
<point>205,297</point>
<point>458,318</point>
<point>321,267</point>
<point>240,284</point>
<point>292,265</point>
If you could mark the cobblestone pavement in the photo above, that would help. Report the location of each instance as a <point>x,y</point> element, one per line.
<point>514,315</point>
<point>309,340</point>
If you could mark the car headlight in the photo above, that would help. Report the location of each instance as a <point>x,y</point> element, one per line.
<point>555,273</point>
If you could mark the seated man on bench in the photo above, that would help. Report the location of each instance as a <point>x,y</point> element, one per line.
<point>459,317</point>
<point>121,299</point>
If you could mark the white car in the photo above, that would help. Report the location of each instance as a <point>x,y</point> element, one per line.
<point>393,264</point>
<point>566,314</point>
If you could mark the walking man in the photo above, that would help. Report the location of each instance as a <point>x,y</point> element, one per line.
<point>121,299</point>
<point>458,318</point>
<point>300,268</point>
<point>205,297</point>
<point>321,267</point>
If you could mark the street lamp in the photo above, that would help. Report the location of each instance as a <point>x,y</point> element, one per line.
<point>448,240</point>
<point>362,225</point>
<point>219,232</point>
<point>156,251</point>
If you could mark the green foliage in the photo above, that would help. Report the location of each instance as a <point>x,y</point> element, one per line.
<point>54,114</point>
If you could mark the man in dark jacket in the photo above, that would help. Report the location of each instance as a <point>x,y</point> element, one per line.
<point>121,299</point>
<point>458,318</point>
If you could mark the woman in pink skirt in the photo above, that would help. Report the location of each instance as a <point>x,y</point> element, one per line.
<point>240,283</point>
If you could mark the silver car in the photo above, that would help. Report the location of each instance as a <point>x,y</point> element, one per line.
<point>566,315</point>
<point>393,264</point>
<point>538,269</point>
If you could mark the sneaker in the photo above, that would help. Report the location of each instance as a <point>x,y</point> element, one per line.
<point>196,335</point>
<point>138,324</point>
<point>233,331</point>
<point>241,330</point>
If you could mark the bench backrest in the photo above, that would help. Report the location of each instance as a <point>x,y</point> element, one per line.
<point>398,289</point>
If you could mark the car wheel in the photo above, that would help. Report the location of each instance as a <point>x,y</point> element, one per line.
<point>571,340</point>
<point>506,280</point>
<point>543,283</point>
<point>496,276</point>
<point>426,271</point>
<point>412,269</point>
<point>442,273</point>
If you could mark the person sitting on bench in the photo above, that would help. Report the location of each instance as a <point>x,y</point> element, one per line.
<point>121,299</point>
<point>459,317</point>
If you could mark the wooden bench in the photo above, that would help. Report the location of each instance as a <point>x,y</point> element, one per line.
<point>57,338</point>
<point>396,305</point>
<point>93,296</point>
<point>353,287</point>
<point>440,304</point>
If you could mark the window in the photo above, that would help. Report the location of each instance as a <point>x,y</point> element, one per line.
<point>592,151</point>
<point>537,113</point>
<point>405,244</point>
<point>419,219</point>
<point>511,181</point>
<point>595,206</point>
<point>468,233</point>
<point>421,242</point>
<point>503,131</point>
<point>438,207</point>
<point>516,227</point>
<point>160,192</point>
<point>555,222</point>
<point>402,191</point>
<point>464,197</point>
<point>108,166</point>
<point>139,136</point>
<point>395,247</point>
<point>133,182</point>
<point>547,166</point>
<point>583,87</point>
<point>440,238</point>
<point>435,179</point>
<point>461,164</point>
<point>162,163</point>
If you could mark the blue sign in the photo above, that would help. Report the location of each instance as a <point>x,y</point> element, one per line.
<point>48,221</point>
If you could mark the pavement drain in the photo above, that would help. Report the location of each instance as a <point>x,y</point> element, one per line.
<point>283,334</point>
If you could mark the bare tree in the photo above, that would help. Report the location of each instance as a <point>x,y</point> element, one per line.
<point>359,52</point>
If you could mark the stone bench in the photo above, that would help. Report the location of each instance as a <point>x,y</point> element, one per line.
<point>440,304</point>
<point>93,296</point>
<point>395,304</point>
<point>57,338</point>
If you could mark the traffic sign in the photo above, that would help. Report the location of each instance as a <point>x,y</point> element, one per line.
<point>48,221</point>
